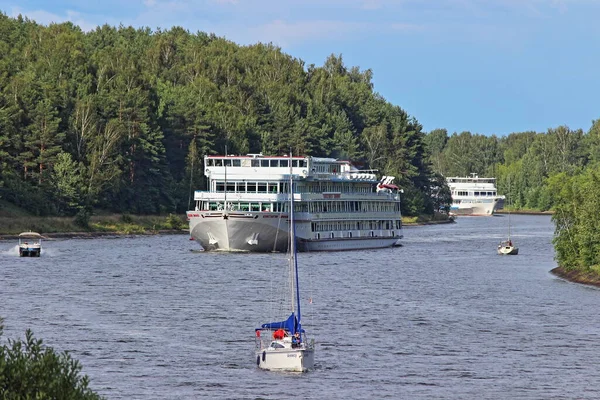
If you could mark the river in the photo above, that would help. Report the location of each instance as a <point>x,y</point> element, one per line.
<point>441,317</point>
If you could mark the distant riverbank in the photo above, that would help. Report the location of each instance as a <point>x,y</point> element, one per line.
<point>577,276</point>
<point>524,212</point>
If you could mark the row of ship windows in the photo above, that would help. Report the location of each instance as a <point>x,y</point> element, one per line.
<point>354,225</point>
<point>277,163</point>
<point>312,207</point>
<point>283,187</point>
<point>333,235</point>
<point>462,193</point>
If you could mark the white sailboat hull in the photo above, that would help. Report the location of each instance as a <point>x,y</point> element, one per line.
<point>292,360</point>
<point>508,250</point>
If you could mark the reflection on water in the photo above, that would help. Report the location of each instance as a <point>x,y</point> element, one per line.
<point>441,317</point>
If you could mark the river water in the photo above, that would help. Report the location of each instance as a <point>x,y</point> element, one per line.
<point>442,317</point>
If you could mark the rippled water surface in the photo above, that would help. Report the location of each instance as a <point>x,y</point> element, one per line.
<point>441,317</point>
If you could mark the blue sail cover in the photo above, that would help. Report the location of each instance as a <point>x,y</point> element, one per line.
<point>291,325</point>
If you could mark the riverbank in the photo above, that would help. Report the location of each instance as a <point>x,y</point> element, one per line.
<point>577,276</point>
<point>524,212</point>
<point>98,225</point>
<point>427,220</point>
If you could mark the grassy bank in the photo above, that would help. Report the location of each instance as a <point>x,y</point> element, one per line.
<point>437,218</point>
<point>589,276</point>
<point>14,220</point>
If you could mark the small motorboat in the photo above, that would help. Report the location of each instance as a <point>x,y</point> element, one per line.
<point>30,244</point>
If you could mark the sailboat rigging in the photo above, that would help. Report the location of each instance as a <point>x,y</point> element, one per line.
<point>507,247</point>
<point>285,346</point>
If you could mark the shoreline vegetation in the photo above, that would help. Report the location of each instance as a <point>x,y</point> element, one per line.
<point>125,224</point>
<point>585,277</point>
<point>98,225</point>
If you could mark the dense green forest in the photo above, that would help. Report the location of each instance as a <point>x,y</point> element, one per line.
<point>120,118</point>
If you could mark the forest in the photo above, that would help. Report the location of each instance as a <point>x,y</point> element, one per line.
<point>120,119</point>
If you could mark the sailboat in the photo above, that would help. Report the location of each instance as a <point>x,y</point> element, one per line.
<point>283,346</point>
<point>507,247</point>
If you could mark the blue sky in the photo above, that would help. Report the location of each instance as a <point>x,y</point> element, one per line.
<point>484,66</point>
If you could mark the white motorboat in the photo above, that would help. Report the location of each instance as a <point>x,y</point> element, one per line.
<point>284,346</point>
<point>30,244</point>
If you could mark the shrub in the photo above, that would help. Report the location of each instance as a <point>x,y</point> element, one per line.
<point>82,218</point>
<point>174,222</point>
<point>29,370</point>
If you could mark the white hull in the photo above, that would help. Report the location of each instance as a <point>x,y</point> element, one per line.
<point>30,250</point>
<point>475,207</point>
<point>266,232</point>
<point>292,360</point>
<point>508,250</point>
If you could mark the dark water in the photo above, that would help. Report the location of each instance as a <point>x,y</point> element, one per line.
<point>443,317</point>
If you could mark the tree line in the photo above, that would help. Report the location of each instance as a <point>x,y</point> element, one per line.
<point>120,118</point>
<point>557,170</point>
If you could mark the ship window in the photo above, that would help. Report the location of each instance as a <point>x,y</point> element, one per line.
<point>255,163</point>
<point>218,163</point>
<point>231,186</point>
<point>476,193</point>
<point>254,206</point>
<point>302,164</point>
<point>227,162</point>
<point>262,187</point>
<point>272,188</point>
<point>264,163</point>
<point>283,163</point>
<point>220,187</point>
<point>209,162</point>
<point>274,163</point>
<point>237,163</point>
<point>295,163</point>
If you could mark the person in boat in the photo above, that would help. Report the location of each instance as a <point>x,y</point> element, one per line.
<point>296,340</point>
<point>279,334</point>
<point>509,243</point>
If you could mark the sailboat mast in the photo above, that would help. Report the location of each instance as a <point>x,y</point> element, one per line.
<point>293,250</point>
<point>225,165</point>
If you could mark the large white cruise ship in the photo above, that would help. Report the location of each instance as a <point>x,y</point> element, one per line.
<point>474,195</point>
<point>337,207</point>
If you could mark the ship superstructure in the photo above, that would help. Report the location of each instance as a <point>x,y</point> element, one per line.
<point>337,206</point>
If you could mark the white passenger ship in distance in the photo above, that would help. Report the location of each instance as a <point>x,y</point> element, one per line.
<point>337,207</point>
<point>474,195</point>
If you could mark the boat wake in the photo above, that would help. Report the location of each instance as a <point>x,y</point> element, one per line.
<point>13,252</point>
